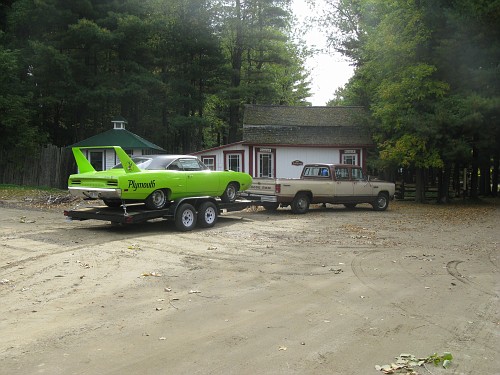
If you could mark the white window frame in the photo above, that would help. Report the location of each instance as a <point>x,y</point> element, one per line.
<point>270,166</point>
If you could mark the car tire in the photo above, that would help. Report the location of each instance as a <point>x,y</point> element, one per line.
<point>350,206</point>
<point>185,217</point>
<point>156,200</point>
<point>300,204</point>
<point>229,195</point>
<point>381,203</point>
<point>207,215</point>
<point>112,203</point>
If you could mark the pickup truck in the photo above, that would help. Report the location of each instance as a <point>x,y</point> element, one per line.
<point>323,183</point>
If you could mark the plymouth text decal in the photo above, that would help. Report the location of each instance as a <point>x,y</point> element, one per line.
<point>140,185</point>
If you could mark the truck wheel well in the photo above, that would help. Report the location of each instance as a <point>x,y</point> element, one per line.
<point>306,192</point>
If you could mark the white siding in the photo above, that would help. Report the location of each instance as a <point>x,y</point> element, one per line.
<point>286,155</point>
<point>219,156</point>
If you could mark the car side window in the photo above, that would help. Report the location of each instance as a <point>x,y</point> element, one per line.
<point>175,166</point>
<point>357,174</point>
<point>342,174</point>
<point>190,165</point>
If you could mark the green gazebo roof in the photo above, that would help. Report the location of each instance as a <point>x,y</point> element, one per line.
<point>118,137</point>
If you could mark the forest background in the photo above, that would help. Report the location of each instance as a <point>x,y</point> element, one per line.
<point>180,72</point>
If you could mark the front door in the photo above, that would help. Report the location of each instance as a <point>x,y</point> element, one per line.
<point>343,183</point>
<point>361,185</point>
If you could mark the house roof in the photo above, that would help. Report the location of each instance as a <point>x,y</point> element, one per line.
<point>118,137</point>
<point>282,125</point>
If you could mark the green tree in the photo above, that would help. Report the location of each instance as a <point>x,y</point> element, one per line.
<point>428,71</point>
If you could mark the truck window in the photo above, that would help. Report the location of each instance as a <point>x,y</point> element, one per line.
<point>342,174</point>
<point>357,174</point>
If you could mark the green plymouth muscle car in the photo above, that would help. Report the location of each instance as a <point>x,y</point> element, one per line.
<point>153,179</point>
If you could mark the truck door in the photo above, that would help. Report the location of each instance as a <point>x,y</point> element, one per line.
<point>361,186</point>
<point>343,184</point>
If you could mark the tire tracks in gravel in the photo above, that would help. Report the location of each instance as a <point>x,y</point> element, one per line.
<point>472,334</point>
<point>452,269</point>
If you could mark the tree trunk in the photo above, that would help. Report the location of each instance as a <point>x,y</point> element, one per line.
<point>420,185</point>
<point>473,175</point>
<point>494,180</point>
<point>485,181</point>
<point>236,63</point>
<point>443,184</point>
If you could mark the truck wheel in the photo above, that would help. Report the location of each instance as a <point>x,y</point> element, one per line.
<point>185,217</point>
<point>229,195</point>
<point>381,203</point>
<point>300,204</point>
<point>156,200</point>
<point>207,215</point>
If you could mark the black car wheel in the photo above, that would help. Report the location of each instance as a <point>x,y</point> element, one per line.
<point>156,200</point>
<point>229,195</point>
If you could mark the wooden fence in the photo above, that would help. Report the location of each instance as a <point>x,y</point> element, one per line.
<point>49,166</point>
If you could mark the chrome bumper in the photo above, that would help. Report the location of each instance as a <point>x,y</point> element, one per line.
<point>95,193</point>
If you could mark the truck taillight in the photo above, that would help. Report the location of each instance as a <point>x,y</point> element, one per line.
<point>277,190</point>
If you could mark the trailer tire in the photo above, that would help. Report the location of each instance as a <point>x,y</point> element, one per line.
<point>300,204</point>
<point>185,217</point>
<point>207,215</point>
<point>157,200</point>
<point>229,195</point>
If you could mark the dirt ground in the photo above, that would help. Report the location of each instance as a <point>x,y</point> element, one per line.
<point>334,291</point>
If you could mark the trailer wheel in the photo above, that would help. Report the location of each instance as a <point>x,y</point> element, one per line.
<point>229,195</point>
<point>185,217</point>
<point>381,203</point>
<point>300,204</point>
<point>156,200</point>
<point>207,215</point>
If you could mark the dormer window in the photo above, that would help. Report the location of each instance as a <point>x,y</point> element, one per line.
<point>119,123</point>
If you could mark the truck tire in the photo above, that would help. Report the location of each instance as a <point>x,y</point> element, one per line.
<point>229,195</point>
<point>156,200</point>
<point>207,215</point>
<point>381,203</point>
<point>185,217</point>
<point>300,204</point>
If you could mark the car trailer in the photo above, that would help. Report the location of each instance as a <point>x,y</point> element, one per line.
<point>186,212</point>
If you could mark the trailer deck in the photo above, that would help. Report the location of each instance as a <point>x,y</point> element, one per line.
<point>138,213</point>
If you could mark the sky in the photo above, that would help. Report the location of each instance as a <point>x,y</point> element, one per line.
<point>329,71</point>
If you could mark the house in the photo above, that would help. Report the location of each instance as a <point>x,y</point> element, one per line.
<point>279,140</point>
<point>134,145</point>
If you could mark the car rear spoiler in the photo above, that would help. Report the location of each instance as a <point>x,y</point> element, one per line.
<point>84,165</point>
